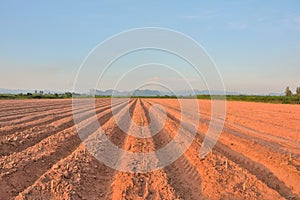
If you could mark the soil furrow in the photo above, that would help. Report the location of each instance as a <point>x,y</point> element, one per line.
<point>37,106</point>
<point>31,168</point>
<point>257,169</point>
<point>273,142</point>
<point>215,176</point>
<point>182,171</point>
<point>25,139</point>
<point>116,135</point>
<point>44,120</point>
<point>257,156</point>
<point>24,117</point>
<point>133,185</point>
<point>269,125</point>
<point>82,168</point>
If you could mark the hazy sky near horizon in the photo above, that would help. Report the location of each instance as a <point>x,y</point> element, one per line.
<point>255,44</point>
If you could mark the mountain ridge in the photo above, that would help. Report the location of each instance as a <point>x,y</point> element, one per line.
<point>144,92</point>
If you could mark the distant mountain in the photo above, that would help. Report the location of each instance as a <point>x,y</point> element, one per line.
<point>109,93</point>
<point>148,92</point>
<point>12,91</point>
<point>203,92</point>
<point>9,91</point>
<point>145,92</point>
<point>276,94</point>
<point>126,93</point>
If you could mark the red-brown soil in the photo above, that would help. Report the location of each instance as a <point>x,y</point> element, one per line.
<point>42,157</point>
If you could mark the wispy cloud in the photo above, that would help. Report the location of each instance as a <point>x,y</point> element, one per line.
<point>191,17</point>
<point>261,19</point>
<point>297,20</point>
<point>295,23</point>
<point>202,16</point>
<point>286,21</point>
<point>237,25</point>
<point>292,23</point>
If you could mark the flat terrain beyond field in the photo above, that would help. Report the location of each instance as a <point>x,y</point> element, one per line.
<point>256,157</point>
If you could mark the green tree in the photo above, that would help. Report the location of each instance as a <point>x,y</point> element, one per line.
<point>298,91</point>
<point>68,94</point>
<point>288,92</point>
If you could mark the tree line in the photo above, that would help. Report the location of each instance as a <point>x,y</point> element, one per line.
<point>37,95</point>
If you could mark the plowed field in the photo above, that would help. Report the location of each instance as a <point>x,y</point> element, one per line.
<point>42,157</point>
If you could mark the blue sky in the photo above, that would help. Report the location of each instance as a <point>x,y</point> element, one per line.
<point>255,44</point>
